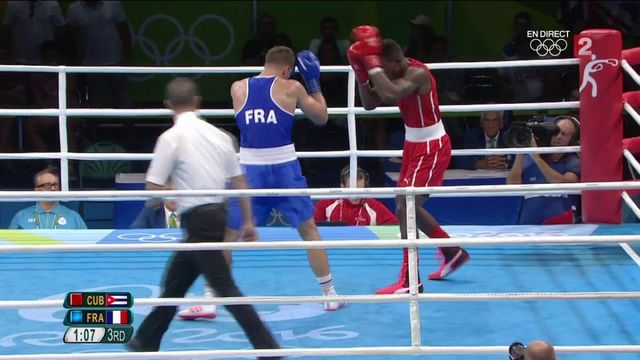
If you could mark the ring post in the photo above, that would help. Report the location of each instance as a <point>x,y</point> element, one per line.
<point>599,52</point>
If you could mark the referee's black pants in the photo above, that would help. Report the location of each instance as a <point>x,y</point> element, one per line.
<point>205,223</point>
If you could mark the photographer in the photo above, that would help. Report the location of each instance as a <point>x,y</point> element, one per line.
<point>536,350</point>
<point>548,168</point>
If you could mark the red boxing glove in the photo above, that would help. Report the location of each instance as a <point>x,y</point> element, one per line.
<point>358,67</point>
<point>364,32</point>
<point>368,55</point>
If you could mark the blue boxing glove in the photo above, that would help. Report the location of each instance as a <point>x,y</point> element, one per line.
<point>309,67</point>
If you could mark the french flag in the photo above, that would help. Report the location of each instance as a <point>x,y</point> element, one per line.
<point>118,317</point>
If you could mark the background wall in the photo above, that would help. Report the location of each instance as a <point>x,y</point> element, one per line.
<point>220,28</point>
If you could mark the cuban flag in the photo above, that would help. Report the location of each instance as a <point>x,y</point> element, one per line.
<point>117,300</point>
<point>118,317</point>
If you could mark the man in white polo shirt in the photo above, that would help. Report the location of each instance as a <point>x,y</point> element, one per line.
<point>198,156</point>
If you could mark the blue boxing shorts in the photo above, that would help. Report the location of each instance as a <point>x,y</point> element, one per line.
<point>234,215</point>
<point>296,209</point>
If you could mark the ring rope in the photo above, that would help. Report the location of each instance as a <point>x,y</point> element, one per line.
<point>300,154</point>
<point>631,111</point>
<point>383,110</point>
<point>430,297</point>
<point>630,71</point>
<point>460,190</point>
<point>631,159</point>
<point>327,244</point>
<point>257,69</point>
<point>354,351</point>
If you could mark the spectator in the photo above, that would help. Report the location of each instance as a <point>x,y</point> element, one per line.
<point>421,37</point>
<point>450,89</point>
<point>329,31</point>
<point>41,131</point>
<point>13,94</point>
<point>158,215</point>
<point>539,350</point>
<point>549,168</point>
<point>103,38</point>
<point>282,39</point>
<point>28,24</point>
<point>488,136</point>
<point>521,24</point>
<point>255,49</point>
<point>47,214</point>
<point>334,84</point>
<point>525,84</point>
<point>354,212</point>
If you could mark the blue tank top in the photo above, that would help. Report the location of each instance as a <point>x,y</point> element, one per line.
<point>262,122</point>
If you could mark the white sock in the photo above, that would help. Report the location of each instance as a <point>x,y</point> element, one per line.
<point>326,283</point>
<point>208,291</point>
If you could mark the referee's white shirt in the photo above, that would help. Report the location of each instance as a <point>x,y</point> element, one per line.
<point>197,155</point>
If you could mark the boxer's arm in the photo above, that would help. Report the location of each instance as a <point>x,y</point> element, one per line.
<point>390,92</point>
<point>314,106</point>
<point>370,100</point>
<point>238,94</point>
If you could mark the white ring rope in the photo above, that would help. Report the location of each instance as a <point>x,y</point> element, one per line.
<point>300,154</point>
<point>257,69</point>
<point>462,190</point>
<point>383,110</point>
<point>630,71</point>
<point>351,352</point>
<point>425,297</point>
<point>631,159</point>
<point>631,111</point>
<point>631,204</point>
<point>325,244</point>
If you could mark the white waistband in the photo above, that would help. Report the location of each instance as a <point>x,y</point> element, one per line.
<point>267,156</point>
<point>433,132</point>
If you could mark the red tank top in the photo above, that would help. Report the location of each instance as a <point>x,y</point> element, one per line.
<point>421,110</point>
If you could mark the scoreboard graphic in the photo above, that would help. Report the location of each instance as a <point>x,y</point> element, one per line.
<point>98,317</point>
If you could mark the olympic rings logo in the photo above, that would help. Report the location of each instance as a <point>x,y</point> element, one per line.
<point>174,47</point>
<point>151,238</point>
<point>548,46</point>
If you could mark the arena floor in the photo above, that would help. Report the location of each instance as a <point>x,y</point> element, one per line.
<point>285,272</point>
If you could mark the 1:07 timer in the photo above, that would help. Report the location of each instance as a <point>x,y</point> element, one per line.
<point>84,335</point>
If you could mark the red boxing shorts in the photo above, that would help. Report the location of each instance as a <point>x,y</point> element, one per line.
<point>424,163</point>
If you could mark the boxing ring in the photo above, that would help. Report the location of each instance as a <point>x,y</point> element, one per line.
<point>576,286</point>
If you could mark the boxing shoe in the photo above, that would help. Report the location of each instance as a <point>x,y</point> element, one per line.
<point>198,312</point>
<point>402,285</point>
<point>332,306</point>
<point>451,265</point>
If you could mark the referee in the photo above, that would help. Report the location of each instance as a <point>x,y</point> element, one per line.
<point>198,156</point>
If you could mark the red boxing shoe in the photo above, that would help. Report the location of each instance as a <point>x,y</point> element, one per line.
<point>402,285</point>
<point>448,267</point>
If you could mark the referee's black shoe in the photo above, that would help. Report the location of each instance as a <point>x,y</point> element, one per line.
<point>136,345</point>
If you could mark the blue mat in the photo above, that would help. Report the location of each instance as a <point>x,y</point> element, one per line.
<point>286,272</point>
